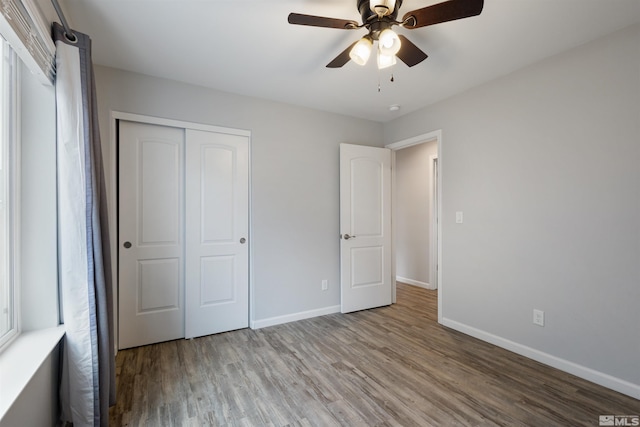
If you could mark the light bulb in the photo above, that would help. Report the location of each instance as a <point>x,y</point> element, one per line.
<point>361,51</point>
<point>389,42</point>
<point>385,61</point>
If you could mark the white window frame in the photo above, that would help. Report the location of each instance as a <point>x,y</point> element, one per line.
<point>11,136</point>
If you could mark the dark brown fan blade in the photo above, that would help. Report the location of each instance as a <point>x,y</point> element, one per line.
<point>321,21</point>
<point>409,53</point>
<point>443,12</point>
<point>341,59</point>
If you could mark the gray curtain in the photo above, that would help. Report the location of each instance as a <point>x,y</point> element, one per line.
<point>88,375</point>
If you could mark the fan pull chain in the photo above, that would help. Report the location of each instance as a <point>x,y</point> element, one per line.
<point>392,79</point>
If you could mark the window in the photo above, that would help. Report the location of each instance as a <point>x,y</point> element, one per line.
<point>8,192</point>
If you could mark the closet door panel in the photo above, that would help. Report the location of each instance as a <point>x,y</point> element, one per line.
<point>151,241</point>
<point>217,198</point>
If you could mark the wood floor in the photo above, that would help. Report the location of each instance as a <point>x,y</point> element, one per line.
<point>392,366</point>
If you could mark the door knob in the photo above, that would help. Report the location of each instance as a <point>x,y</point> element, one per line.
<point>242,240</point>
<point>347,237</point>
<point>127,245</point>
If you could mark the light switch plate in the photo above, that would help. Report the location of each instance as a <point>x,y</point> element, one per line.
<point>459,218</point>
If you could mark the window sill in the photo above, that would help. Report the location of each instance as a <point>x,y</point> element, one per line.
<point>28,351</point>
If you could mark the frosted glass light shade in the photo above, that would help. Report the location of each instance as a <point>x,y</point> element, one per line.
<point>382,7</point>
<point>389,42</point>
<point>361,51</point>
<point>385,61</point>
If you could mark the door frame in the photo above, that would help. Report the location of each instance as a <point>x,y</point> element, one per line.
<point>434,165</point>
<point>115,117</point>
<point>405,143</point>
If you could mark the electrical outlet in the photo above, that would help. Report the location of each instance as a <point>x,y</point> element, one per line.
<point>325,284</point>
<point>538,317</point>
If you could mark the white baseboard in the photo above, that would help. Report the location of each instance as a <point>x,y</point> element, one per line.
<point>600,378</point>
<point>278,320</point>
<point>414,282</point>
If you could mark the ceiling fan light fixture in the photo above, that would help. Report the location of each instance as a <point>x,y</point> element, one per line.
<point>389,42</point>
<point>380,15</point>
<point>382,7</point>
<point>385,61</point>
<point>361,50</point>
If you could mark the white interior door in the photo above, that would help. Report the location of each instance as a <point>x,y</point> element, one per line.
<point>365,227</point>
<point>151,218</point>
<point>217,223</point>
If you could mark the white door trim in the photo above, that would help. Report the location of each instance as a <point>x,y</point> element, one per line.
<point>433,242</point>
<point>405,143</point>
<point>112,202</point>
<point>118,115</point>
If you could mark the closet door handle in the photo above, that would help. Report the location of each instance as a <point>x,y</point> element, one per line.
<point>127,245</point>
<point>243,240</point>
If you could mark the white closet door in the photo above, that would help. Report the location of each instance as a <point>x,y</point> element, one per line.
<point>151,218</point>
<point>217,225</point>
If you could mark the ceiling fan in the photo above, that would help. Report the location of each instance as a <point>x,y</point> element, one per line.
<point>378,17</point>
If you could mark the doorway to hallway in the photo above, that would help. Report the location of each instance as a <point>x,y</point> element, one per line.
<point>416,207</point>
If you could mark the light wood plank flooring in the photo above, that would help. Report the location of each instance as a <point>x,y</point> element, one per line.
<point>391,366</point>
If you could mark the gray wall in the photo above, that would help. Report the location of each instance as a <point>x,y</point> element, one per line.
<point>544,163</point>
<point>294,181</point>
<point>413,212</point>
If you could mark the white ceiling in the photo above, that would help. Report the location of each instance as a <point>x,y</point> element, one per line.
<point>247,47</point>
